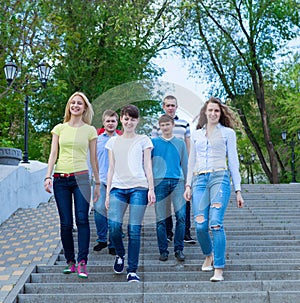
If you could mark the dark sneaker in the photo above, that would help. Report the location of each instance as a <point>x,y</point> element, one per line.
<point>133,277</point>
<point>70,268</point>
<point>112,251</point>
<point>189,239</point>
<point>119,265</point>
<point>100,246</point>
<point>169,238</point>
<point>163,257</point>
<point>179,255</point>
<point>81,270</point>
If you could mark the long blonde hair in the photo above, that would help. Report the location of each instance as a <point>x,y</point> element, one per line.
<point>227,118</point>
<point>88,113</point>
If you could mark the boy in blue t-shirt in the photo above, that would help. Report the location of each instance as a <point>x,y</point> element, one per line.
<point>169,165</point>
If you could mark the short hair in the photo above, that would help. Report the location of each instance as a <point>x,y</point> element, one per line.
<point>130,110</point>
<point>165,118</point>
<point>88,114</point>
<point>109,113</point>
<point>169,97</point>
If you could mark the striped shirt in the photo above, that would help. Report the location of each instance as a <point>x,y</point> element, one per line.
<point>181,129</point>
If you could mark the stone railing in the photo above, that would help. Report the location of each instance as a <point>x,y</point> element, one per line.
<point>21,186</point>
<point>10,156</point>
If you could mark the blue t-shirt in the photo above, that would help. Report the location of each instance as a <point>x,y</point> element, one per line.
<point>169,158</point>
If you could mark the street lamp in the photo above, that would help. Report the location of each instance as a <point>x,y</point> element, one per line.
<point>248,165</point>
<point>11,70</point>
<point>292,144</point>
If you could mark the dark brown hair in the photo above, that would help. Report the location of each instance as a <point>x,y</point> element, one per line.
<point>165,118</point>
<point>227,118</point>
<point>130,110</point>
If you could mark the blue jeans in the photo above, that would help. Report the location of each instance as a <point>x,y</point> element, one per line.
<point>137,199</point>
<point>66,190</point>
<point>210,197</point>
<point>167,191</point>
<point>100,216</point>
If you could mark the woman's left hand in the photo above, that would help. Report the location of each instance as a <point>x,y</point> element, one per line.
<point>151,197</point>
<point>96,193</point>
<point>239,199</point>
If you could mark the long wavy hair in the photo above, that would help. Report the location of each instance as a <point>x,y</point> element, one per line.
<point>227,117</point>
<point>88,113</point>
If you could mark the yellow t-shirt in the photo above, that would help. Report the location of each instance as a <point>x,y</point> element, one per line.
<point>73,147</point>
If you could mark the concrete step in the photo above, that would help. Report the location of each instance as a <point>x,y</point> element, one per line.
<point>168,276</point>
<point>173,266</point>
<point>170,287</point>
<point>204,297</point>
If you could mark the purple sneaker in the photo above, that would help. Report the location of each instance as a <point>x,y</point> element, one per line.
<point>81,270</point>
<point>70,268</point>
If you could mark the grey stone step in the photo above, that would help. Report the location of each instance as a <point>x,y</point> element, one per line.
<point>169,276</point>
<point>170,287</point>
<point>228,297</point>
<point>172,265</point>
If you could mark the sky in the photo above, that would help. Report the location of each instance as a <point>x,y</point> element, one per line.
<point>176,72</point>
<point>190,94</point>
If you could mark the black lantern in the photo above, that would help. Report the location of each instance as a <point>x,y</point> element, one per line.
<point>10,70</point>
<point>44,71</point>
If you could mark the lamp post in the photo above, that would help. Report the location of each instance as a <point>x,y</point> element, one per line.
<point>292,144</point>
<point>11,70</point>
<point>248,165</point>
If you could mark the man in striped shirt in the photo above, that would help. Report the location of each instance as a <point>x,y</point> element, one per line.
<point>181,130</point>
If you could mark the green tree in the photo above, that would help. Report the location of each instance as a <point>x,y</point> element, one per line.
<point>94,46</point>
<point>235,43</point>
<point>104,44</point>
<point>26,39</point>
<point>287,112</point>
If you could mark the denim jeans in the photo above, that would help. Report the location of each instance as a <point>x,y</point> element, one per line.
<point>120,199</point>
<point>167,191</point>
<point>66,190</point>
<point>169,221</point>
<point>210,197</point>
<point>100,216</point>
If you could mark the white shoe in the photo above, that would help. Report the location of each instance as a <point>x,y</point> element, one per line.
<point>217,279</point>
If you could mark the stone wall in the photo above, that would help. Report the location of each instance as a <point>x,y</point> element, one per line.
<point>21,187</point>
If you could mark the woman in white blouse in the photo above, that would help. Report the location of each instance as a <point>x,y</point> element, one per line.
<point>213,155</point>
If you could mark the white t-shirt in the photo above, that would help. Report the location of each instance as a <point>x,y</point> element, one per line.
<point>129,158</point>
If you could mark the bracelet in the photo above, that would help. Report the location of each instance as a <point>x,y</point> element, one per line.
<point>97,183</point>
<point>47,178</point>
<point>188,186</point>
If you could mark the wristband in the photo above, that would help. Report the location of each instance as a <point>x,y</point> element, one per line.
<point>97,183</point>
<point>47,178</point>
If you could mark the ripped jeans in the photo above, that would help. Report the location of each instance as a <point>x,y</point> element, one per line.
<point>210,197</point>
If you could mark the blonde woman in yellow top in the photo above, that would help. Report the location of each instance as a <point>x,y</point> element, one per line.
<point>71,141</point>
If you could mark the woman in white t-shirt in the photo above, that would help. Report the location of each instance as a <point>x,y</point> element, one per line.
<point>129,183</point>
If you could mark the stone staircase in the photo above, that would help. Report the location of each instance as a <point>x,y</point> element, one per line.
<point>263,261</point>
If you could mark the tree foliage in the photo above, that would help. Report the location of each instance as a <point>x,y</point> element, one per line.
<point>236,43</point>
<point>93,46</point>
